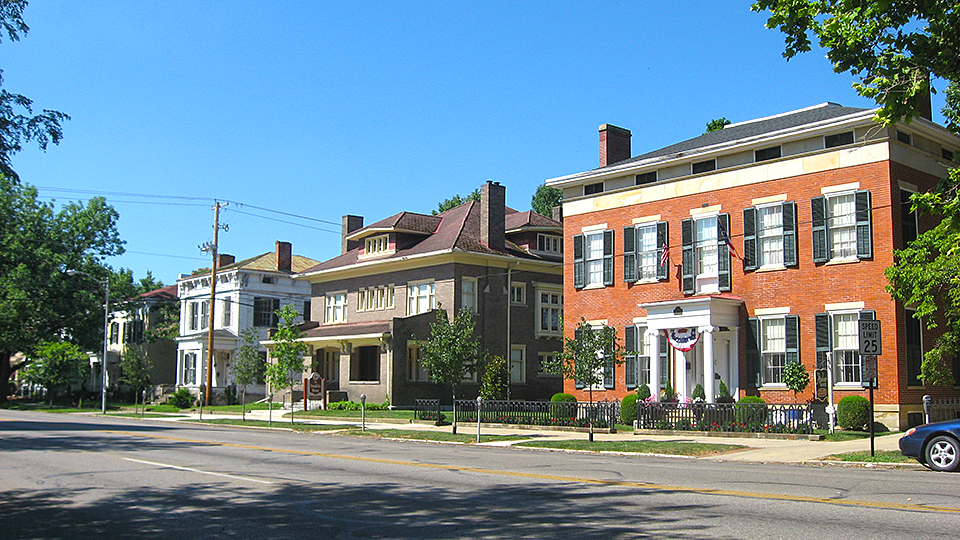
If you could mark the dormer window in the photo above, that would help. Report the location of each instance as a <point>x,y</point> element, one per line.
<point>549,243</point>
<point>377,244</point>
<point>266,279</point>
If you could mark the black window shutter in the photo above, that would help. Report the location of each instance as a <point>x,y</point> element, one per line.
<point>749,239</point>
<point>789,234</point>
<point>579,278</point>
<point>630,254</point>
<point>792,335</point>
<point>689,261</point>
<point>276,318</point>
<point>818,219</point>
<point>663,242</point>
<point>864,234</point>
<point>723,254</point>
<point>630,358</point>
<point>753,352</point>
<point>608,257</point>
<point>608,374</point>
<point>822,332</point>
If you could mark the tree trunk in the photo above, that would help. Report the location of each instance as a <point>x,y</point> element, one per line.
<point>454,392</point>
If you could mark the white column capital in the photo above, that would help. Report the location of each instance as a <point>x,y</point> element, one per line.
<point>708,329</point>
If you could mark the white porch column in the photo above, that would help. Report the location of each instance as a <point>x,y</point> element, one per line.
<point>734,383</point>
<point>653,346</point>
<point>708,362</point>
<point>680,371</point>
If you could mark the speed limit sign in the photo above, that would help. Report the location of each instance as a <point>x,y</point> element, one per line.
<point>870,343</point>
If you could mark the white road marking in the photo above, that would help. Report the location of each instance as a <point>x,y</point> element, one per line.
<point>188,469</point>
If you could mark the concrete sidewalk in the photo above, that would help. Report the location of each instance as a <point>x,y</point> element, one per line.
<point>758,450</point>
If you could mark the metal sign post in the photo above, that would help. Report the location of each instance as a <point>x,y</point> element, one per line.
<point>871,346</point>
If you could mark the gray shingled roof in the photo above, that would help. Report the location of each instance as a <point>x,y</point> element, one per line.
<point>752,128</point>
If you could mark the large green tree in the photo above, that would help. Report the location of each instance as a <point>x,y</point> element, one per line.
<point>249,365</point>
<point>453,352</point>
<point>456,201</point>
<point>59,365</point>
<point>893,46</point>
<point>18,123</point>
<point>39,301</point>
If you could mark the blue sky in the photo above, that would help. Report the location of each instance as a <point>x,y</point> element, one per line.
<point>320,109</point>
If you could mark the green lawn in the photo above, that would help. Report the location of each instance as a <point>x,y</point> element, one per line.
<point>317,413</point>
<point>440,436</point>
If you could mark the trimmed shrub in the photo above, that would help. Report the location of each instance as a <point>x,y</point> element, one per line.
<point>643,392</point>
<point>563,406</point>
<point>668,394</point>
<point>699,393</point>
<point>182,399</point>
<point>750,410</point>
<point>853,413</point>
<point>723,393</point>
<point>628,409</point>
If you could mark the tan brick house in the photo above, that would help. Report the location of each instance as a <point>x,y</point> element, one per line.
<point>729,255</point>
<point>374,301</point>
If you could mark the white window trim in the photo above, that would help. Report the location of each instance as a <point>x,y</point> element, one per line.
<point>476,293</point>
<point>522,287</point>
<point>640,253</point>
<point>551,290</point>
<point>710,282</point>
<point>549,239</point>
<point>828,216</point>
<point>523,364</point>
<point>431,296</point>
<point>833,350</point>
<point>760,238</point>
<point>377,245</point>
<point>763,366</point>
<point>330,310</point>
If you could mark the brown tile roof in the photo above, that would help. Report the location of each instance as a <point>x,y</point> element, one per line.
<point>455,229</point>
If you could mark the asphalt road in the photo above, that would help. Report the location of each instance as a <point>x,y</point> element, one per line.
<point>69,476</point>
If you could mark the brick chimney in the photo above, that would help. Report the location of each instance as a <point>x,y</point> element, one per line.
<point>225,260</point>
<point>349,224</point>
<point>284,256</point>
<point>924,105</point>
<point>493,202</point>
<point>614,144</point>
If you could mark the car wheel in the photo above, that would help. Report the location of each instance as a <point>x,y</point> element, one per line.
<point>943,453</point>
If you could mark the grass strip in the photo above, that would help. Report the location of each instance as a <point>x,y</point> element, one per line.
<point>879,456</point>
<point>641,447</point>
<point>439,436</point>
<point>277,424</point>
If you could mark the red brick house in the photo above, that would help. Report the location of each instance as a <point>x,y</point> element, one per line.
<point>727,256</point>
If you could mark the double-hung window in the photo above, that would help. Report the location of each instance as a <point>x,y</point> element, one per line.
<point>838,332</point>
<point>264,311</point>
<point>705,254</point>
<point>593,259</point>
<point>770,236</point>
<point>841,226</point>
<point>335,308</point>
<point>420,297</point>
<point>773,343</point>
<point>549,243</point>
<point>518,364</point>
<point>643,252</point>
<point>468,294</point>
<point>415,371</point>
<point>637,357</point>
<point>549,312</point>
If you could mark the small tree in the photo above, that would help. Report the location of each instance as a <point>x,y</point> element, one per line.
<point>248,364</point>
<point>717,124</point>
<point>545,199</point>
<point>586,357</point>
<point>796,378</point>
<point>58,365</point>
<point>135,369</point>
<point>288,353</point>
<point>495,383</point>
<point>452,353</point>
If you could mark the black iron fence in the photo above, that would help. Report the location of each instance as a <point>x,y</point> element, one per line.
<point>728,417</point>
<point>605,414</point>
<point>941,409</point>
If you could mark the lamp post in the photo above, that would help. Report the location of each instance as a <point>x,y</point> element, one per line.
<point>106,334</point>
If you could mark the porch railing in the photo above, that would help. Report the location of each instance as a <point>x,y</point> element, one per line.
<point>728,417</point>
<point>941,409</point>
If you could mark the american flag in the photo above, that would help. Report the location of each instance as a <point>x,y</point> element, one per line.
<point>665,256</point>
<point>726,240</point>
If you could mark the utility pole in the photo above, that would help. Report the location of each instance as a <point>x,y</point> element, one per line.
<point>213,249</point>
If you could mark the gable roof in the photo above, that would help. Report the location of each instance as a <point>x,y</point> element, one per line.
<point>163,293</point>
